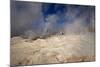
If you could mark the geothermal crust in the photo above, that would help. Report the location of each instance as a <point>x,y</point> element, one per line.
<point>53,49</point>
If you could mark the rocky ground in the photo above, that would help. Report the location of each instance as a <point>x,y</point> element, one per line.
<point>54,49</point>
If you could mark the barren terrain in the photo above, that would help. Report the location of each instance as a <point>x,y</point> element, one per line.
<point>54,49</point>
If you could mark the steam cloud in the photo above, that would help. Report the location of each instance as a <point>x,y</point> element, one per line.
<point>33,20</point>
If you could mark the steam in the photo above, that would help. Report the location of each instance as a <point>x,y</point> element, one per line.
<point>23,16</point>
<point>76,27</point>
<point>28,20</point>
<point>47,27</point>
<point>50,25</point>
